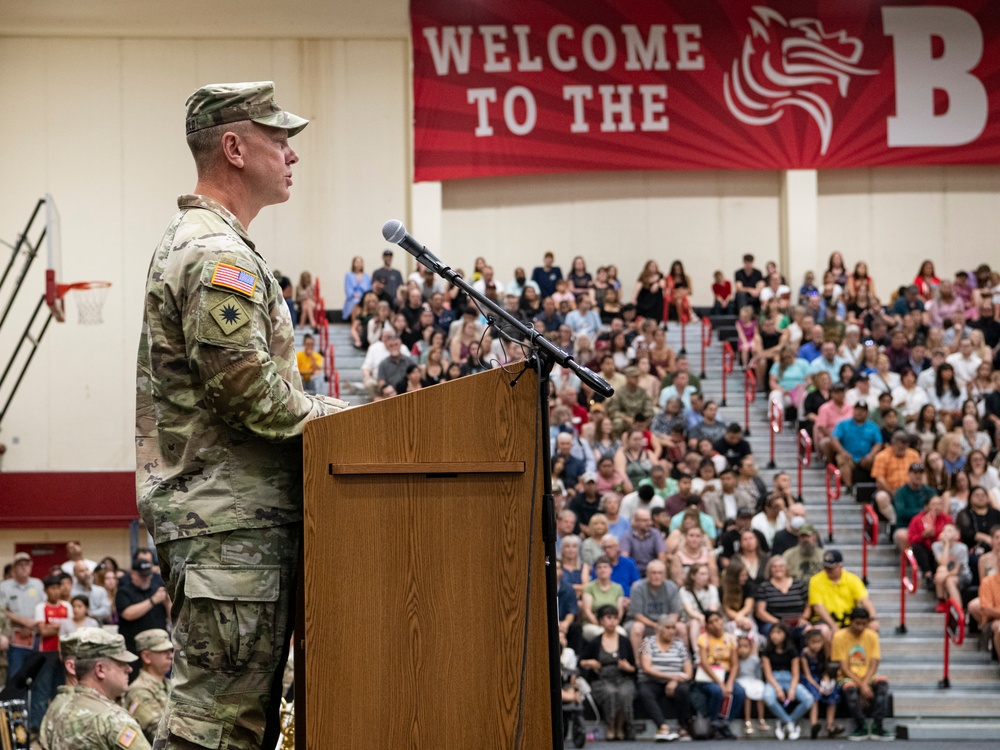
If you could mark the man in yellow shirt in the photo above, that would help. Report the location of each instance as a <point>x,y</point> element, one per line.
<point>310,364</point>
<point>834,593</point>
<point>856,649</point>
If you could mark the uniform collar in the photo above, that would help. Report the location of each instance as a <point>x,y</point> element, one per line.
<point>191,200</point>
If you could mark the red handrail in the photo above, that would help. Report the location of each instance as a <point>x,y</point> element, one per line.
<point>776,419</point>
<point>805,455</point>
<point>728,358</point>
<point>330,372</point>
<point>706,341</point>
<point>869,537</point>
<point>954,632</point>
<point>749,396</point>
<point>832,493</point>
<point>680,318</point>
<point>907,584</point>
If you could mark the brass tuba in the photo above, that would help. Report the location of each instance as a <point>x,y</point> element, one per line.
<point>287,718</point>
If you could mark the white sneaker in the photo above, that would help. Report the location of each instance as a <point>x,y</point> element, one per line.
<point>662,735</point>
<point>779,730</point>
<point>794,731</point>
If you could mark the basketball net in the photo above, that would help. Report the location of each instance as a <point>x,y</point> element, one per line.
<point>89,297</point>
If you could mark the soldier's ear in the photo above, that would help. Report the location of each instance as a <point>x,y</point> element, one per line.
<point>234,148</point>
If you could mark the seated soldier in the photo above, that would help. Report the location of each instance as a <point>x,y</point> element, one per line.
<point>147,696</point>
<point>856,649</point>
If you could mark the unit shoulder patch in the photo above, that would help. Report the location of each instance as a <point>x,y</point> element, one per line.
<point>230,315</point>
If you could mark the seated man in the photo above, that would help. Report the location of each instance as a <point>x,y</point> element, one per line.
<point>856,649</point>
<point>772,519</point>
<point>624,571</point>
<point>643,543</point>
<point>908,501</point>
<point>891,468</point>
<point>651,598</point>
<point>834,593</point>
<point>988,609</point>
<point>854,445</point>
<point>805,559</point>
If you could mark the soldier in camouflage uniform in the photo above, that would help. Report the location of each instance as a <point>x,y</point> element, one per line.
<point>67,655</point>
<point>147,696</point>
<point>220,411</point>
<point>87,716</point>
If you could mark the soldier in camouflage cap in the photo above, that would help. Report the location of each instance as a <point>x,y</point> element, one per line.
<point>222,103</point>
<point>148,694</point>
<point>87,715</point>
<point>220,410</point>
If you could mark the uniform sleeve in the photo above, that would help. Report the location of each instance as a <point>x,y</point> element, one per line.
<point>246,363</point>
<point>144,709</point>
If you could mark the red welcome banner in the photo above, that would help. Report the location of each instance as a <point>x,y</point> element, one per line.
<point>530,86</point>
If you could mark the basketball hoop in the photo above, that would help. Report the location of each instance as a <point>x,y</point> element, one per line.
<point>90,296</point>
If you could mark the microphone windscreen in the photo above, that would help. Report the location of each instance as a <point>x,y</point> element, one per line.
<point>393,231</point>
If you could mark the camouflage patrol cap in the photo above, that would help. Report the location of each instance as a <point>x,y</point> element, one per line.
<point>97,643</point>
<point>155,639</point>
<point>221,103</point>
<point>67,644</point>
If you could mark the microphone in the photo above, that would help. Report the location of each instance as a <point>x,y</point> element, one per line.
<point>395,232</point>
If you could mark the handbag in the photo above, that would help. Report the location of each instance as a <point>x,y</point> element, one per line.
<point>701,728</point>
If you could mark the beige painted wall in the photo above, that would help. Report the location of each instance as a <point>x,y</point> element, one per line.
<point>705,219</point>
<point>100,126</point>
<point>97,543</point>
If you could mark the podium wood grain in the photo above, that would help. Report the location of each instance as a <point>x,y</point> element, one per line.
<point>416,571</point>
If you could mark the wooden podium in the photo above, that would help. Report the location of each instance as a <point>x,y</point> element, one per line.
<point>417,513</point>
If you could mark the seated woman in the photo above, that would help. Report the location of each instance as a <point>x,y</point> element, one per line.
<point>752,557</point>
<point>787,380</point>
<point>716,675</point>
<point>782,599</point>
<point>664,682</point>
<point>575,570</point>
<point>305,297</point>
<point>692,549</point>
<point>782,673</point>
<point>926,428</point>
<point>600,593</point>
<point>698,598</point>
<point>738,602</point>
<point>611,665</point>
<point>590,550</point>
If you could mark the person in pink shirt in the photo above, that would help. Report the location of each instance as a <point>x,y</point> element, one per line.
<point>923,531</point>
<point>832,412</point>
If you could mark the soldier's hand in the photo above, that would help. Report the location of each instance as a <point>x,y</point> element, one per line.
<point>160,596</point>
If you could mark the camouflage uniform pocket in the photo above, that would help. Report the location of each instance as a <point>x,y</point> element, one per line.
<point>232,617</point>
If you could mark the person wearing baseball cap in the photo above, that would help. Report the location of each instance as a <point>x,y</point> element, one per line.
<point>229,420</point>
<point>88,714</point>
<point>834,593</point>
<point>854,445</point>
<point>805,559</point>
<point>20,595</point>
<point>388,276</point>
<point>856,649</point>
<point>147,697</point>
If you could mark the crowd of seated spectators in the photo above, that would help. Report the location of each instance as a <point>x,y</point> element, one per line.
<point>904,398</point>
<point>666,531</point>
<point>671,546</point>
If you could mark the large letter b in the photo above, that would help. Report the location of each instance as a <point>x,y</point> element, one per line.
<point>919,74</point>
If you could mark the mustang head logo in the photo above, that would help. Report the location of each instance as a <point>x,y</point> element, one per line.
<point>782,62</point>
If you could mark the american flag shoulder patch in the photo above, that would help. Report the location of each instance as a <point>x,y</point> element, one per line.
<point>127,737</point>
<point>234,278</point>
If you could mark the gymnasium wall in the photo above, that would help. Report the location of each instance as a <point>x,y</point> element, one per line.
<point>95,97</point>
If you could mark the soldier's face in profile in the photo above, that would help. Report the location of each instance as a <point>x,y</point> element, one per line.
<point>268,163</point>
<point>116,677</point>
